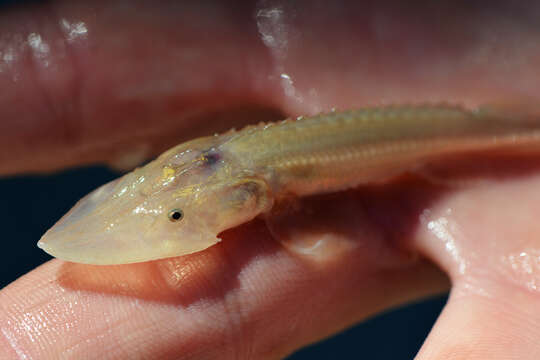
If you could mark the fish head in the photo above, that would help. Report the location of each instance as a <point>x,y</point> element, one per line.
<point>175,205</point>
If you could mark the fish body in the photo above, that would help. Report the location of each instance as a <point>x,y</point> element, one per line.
<point>180,202</point>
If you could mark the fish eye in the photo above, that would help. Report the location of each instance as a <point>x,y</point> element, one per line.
<point>176,215</point>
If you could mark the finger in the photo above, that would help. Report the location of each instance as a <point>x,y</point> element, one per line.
<point>105,82</point>
<point>503,325</point>
<point>486,239</point>
<point>248,297</point>
<point>87,83</point>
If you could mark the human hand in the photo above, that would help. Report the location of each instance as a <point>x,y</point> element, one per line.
<point>108,82</point>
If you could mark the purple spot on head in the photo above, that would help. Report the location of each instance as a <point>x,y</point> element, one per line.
<point>211,157</point>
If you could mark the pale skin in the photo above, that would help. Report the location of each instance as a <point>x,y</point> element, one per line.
<point>250,296</point>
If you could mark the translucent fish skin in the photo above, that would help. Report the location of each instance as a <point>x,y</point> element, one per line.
<point>218,182</point>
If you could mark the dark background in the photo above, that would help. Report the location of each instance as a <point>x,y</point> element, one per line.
<point>31,204</point>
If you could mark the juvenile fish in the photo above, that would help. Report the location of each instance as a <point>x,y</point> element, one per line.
<point>180,202</point>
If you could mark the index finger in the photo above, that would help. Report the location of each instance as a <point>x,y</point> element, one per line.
<point>247,296</point>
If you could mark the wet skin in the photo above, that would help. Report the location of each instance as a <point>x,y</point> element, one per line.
<point>143,77</point>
